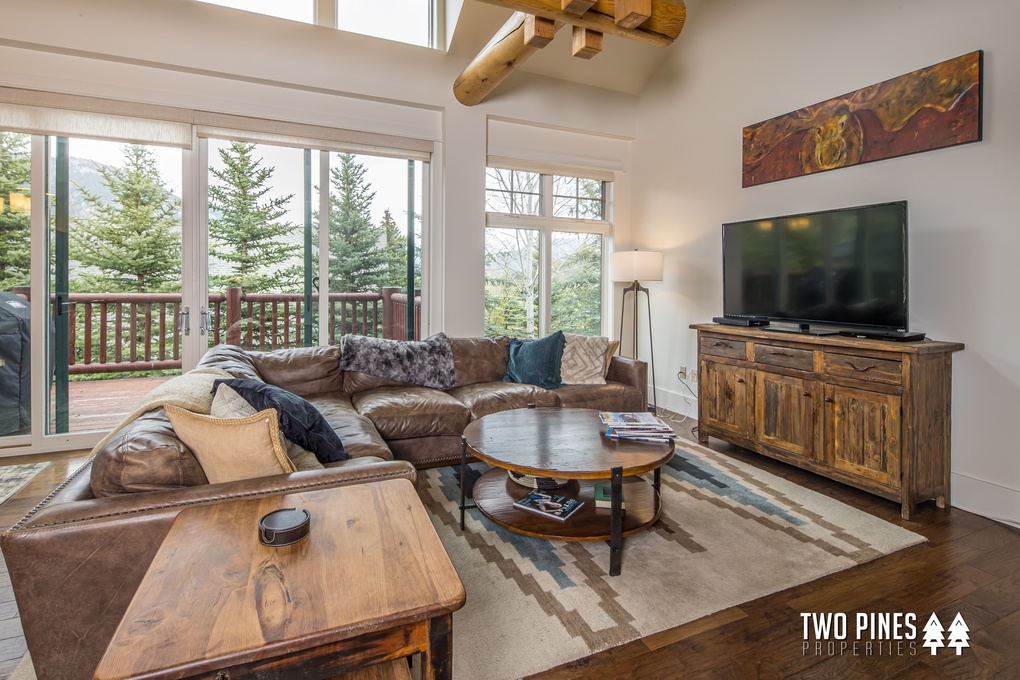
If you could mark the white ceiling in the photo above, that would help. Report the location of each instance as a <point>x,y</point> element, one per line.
<point>623,65</point>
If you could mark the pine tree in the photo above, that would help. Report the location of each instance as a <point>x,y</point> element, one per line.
<point>135,239</point>
<point>357,260</point>
<point>933,634</point>
<point>958,634</point>
<point>15,220</point>
<point>396,252</point>
<point>249,233</point>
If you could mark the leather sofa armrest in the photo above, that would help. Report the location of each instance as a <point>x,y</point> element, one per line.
<point>633,372</point>
<point>74,566</point>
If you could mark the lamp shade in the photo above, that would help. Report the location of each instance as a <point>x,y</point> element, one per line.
<point>635,265</point>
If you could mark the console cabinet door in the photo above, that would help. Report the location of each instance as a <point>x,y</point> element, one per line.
<point>862,433</point>
<point>784,413</point>
<point>725,397</point>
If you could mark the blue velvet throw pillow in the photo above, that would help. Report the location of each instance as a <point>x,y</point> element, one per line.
<point>300,422</point>
<point>536,362</point>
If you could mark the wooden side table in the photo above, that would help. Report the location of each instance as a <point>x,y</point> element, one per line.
<point>372,582</point>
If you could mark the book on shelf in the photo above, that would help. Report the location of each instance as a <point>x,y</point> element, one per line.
<point>604,496</point>
<point>550,505</point>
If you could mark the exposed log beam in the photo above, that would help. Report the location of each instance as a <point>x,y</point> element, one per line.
<point>538,31</point>
<point>576,7</point>
<point>586,42</point>
<point>632,13</point>
<point>505,52</point>
<point>661,29</point>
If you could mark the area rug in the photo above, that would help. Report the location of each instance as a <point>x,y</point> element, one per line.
<point>729,533</point>
<point>14,477</point>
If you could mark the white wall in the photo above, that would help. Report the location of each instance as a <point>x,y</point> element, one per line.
<point>195,55</point>
<point>738,63</point>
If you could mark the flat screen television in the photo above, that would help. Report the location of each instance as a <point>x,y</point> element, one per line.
<point>845,268</point>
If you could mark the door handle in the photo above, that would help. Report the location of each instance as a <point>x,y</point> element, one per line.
<point>204,323</point>
<point>184,317</point>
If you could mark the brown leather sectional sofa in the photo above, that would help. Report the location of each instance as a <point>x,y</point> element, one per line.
<point>77,558</point>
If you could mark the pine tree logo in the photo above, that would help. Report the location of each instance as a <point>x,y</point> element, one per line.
<point>958,634</point>
<point>933,637</point>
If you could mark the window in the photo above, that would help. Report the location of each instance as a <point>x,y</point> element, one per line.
<point>406,21</point>
<point>544,242</point>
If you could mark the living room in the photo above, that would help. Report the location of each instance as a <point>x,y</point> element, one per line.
<point>669,137</point>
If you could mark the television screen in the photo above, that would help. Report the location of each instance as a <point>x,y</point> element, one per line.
<point>840,267</point>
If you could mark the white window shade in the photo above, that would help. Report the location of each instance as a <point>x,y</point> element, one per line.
<point>47,113</point>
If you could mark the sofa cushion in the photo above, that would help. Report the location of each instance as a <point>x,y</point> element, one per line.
<point>356,382</point>
<point>299,421</point>
<point>301,370</point>
<point>491,397</point>
<point>231,449</point>
<point>405,412</point>
<point>477,360</point>
<point>144,455</point>
<point>612,396</point>
<point>536,361</point>
<point>584,360</point>
<point>357,432</point>
<point>235,360</point>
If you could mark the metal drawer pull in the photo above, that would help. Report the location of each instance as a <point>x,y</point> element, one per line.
<point>781,354</point>
<point>828,400</point>
<point>740,381</point>
<point>806,394</point>
<point>720,343</point>
<point>860,369</point>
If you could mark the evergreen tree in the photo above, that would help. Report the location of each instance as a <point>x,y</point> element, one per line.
<point>249,233</point>
<point>357,259</point>
<point>396,251</point>
<point>15,220</point>
<point>134,240</point>
<point>577,283</point>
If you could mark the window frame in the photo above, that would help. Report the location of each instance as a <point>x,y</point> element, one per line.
<point>546,224</point>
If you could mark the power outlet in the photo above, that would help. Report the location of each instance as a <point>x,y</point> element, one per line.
<point>682,373</point>
<point>694,376</point>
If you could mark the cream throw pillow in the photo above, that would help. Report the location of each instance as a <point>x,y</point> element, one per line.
<point>584,360</point>
<point>610,352</point>
<point>230,449</point>
<point>229,404</point>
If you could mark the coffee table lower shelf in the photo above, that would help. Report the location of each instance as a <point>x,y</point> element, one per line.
<point>494,494</point>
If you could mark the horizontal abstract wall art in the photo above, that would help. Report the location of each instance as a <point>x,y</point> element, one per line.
<point>927,109</point>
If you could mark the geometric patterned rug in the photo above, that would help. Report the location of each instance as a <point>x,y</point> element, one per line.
<point>728,533</point>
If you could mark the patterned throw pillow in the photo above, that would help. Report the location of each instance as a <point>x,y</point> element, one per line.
<point>584,360</point>
<point>610,353</point>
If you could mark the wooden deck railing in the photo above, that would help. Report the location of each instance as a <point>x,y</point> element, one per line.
<point>127,332</point>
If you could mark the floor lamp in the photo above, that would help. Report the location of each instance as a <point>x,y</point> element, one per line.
<point>636,266</point>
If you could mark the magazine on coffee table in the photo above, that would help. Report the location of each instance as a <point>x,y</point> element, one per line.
<point>550,505</point>
<point>621,419</point>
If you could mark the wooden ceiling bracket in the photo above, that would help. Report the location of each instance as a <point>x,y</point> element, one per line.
<point>535,22</point>
<point>632,13</point>
<point>538,31</point>
<point>586,42</point>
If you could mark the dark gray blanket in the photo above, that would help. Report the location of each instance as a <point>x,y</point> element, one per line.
<point>428,363</point>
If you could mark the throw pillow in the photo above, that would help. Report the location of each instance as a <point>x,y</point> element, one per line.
<point>536,362</point>
<point>300,422</point>
<point>227,403</point>
<point>584,359</point>
<point>428,363</point>
<point>610,353</point>
<point>229,449</point>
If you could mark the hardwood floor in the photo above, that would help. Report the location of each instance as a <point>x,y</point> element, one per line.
<point>969,565</point>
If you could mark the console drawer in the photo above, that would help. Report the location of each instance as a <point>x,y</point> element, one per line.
<point>863,368</point>
<point>722,347</point>
<point>788,357</point>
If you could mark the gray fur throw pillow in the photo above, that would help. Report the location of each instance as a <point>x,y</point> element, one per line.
<point>428,363</point>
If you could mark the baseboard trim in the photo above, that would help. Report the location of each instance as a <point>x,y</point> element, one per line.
<point>987,499</point>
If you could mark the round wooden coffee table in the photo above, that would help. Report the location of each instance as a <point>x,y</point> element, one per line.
<point>564,443</point>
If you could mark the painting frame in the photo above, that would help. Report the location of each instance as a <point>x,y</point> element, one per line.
<point>930,108</point>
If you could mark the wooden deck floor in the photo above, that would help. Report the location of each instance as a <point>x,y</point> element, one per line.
<point>102,404</point>
<point>970,564</point>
